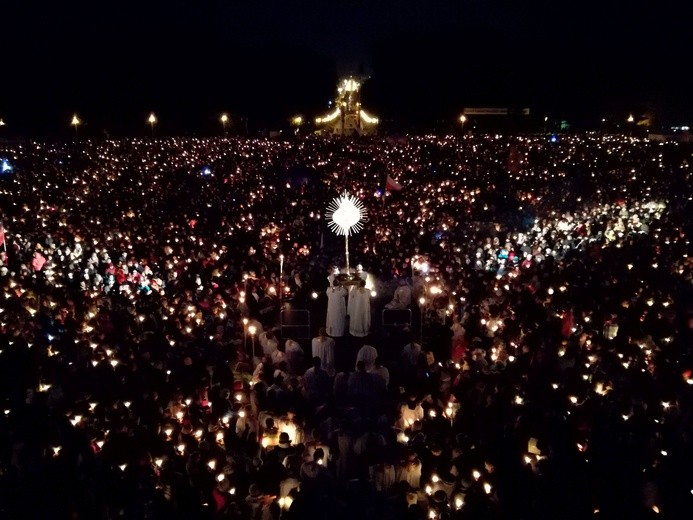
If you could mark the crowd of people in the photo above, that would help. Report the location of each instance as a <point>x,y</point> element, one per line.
<point>539,367</point>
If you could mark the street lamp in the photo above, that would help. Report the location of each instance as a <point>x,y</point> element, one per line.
<point>297,121</point>
<point>152,121</point>
<point>2,122</point>
<point>75,122</point>
<point>463,120</point>
<point>630,119</point>
<point>224,119</point>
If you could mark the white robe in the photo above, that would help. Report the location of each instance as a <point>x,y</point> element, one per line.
<point>411,472</point>
<point>367,354</point>
<point>294,430</point>
<point>269,346</point>
<point>288,485</point>
<point>336,311</point>
<point>384,476</point>
<point>408,416</point>
<point>324,349</point>
<point>294,356</point>
<point>360,312</point>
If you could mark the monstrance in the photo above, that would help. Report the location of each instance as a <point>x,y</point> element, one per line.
<point>346,215</point>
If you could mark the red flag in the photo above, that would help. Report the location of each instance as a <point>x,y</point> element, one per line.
<point>38,262</point>
<point>2,234</point>
<point>392,185</point>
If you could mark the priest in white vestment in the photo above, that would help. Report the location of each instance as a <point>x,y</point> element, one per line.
<point>359,311</point>
<point>268,342</point>
<point>368,355</point>
<point>410,471</point>
<point>336,310</point>
<point>334,272</point>
<point>384,475</point>
<point>323,347</point>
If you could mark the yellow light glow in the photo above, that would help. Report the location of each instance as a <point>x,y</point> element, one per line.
<point>368,119</point>
<point>329,117</point>
<point>350,85</point>
<point>152,119</point>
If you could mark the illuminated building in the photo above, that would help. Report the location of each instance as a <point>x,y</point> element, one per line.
<point>347,116</point>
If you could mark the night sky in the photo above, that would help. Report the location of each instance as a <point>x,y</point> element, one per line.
<point>264,60</point>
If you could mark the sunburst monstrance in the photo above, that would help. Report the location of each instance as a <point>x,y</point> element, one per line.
<point>346,215</point>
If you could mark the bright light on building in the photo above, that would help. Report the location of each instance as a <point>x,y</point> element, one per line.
<point>368,119</point>
<point>329,117</point>
<point>350,85</point>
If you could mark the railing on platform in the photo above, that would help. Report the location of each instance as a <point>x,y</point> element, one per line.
<point>395,318</point>
<point>295,324</point>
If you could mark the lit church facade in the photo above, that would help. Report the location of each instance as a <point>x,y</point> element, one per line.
<point>348,117</point>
